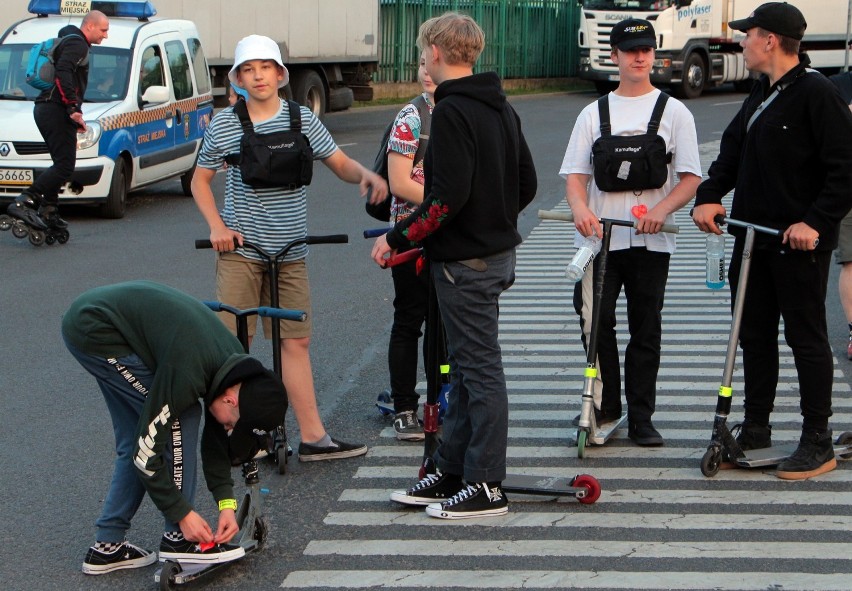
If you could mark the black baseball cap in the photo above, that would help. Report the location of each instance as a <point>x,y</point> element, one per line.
<point>776,17</point>
<point>263,403</point>
<point>632,33</point>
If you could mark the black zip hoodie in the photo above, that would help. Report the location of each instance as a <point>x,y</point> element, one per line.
<point>72,71</point>
<point>793,165</point>
<point>479,174</point>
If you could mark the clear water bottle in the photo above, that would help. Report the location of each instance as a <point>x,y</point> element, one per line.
<point>715,261</point>
<point>588,250</point>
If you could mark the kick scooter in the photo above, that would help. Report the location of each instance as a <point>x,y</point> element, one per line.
<point>589,432</point>
<point>253,528</point>
<point>584,487</point>
<point>279,449</point>
<point>723,441</point>
<point>384,401</point>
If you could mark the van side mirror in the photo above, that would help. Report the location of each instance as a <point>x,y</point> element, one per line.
<point>155,95</point>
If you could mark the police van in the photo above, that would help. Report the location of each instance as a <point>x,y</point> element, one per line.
<point>146,106</point>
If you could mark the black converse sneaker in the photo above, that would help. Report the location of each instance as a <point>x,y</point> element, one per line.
<point>174,546</point>
<point>475,500</point>
<point>105,557</point>
<point>407,427</point>
<point>435,487</point>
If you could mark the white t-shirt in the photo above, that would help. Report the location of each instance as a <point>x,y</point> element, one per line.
<point>630,116</point>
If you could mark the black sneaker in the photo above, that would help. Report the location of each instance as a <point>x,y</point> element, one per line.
<point>435,487</point>
<point>335,451</point>
<point>105,557</point>
<point>177,548</point>
<point>643,433</point>
<point>407,427</point>
<point>474,500</point>
<point>814,456</point>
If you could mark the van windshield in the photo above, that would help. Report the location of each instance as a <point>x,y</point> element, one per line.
<point>639,5</point>
<point>109,69</point>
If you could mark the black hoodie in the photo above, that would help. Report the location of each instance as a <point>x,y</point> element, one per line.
<point>72,71</point>
<point>479,174</point>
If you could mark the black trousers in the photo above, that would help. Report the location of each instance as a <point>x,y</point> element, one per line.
<point>643,275</point>
<point>410,303</point>
<point>789,284</point>
<point>60,134</point>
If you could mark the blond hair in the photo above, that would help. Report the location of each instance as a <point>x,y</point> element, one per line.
<point>457,35</point>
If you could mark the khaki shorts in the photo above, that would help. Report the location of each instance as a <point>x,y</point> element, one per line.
<point>843,254</point>
<point>243,283</point>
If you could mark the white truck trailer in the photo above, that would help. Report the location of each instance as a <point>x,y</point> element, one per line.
<point>330,47</point>
<point>695,48</point>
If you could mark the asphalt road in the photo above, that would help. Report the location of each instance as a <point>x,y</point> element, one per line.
<point>56,441</point>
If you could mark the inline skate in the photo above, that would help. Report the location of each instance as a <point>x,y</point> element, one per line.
<point>26,217</point>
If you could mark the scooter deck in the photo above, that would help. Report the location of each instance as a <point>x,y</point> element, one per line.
<point>192,571</point>
<point>772,456</point>
<point>539,485</point>
<point>600,433</point>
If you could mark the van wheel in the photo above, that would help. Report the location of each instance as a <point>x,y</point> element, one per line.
<point>308,90</point>
<point>186,182</point>
<point>117,198</point>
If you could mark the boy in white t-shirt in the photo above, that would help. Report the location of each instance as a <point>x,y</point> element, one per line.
<point>638,259</point>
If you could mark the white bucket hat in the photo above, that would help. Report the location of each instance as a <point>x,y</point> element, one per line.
<point>257,47</point>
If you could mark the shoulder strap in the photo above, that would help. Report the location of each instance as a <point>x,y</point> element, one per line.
<point>295,116</point>
<point>241,111</point>
<point>603,110</point>
<point>657,113</point>
<point>425,125</point>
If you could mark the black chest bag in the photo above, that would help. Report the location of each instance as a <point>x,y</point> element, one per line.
<point>281,159</point>
<point>630,163</point>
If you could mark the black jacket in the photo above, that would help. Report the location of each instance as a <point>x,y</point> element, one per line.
<point>72,72</point>
<point>479,174</point>
<point>794,164</point>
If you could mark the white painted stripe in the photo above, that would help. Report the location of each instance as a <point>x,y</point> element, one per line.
<point>657,473</point>
<point>570,548</point>
<point>556,451</point>
<point>572,399</point>
<point>595,520</point>
<point>571,579</point>
<point>663,372</point>
<point>657,497</point>
<point>566,433</point>
<point>660,416</point>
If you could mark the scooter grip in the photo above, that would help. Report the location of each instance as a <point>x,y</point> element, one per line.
<point>215,306</point>
<point>282,313</point>
<point>568,217</point>
<point>404,257</point>
<point>374,232</point>
<point>330,239</point>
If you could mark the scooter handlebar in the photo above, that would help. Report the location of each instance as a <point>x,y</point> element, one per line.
<point>265,311</point>
<point>403,257</point>
<point>375,232</point>
<point>567,217</point>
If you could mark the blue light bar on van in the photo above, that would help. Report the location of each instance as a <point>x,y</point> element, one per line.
<point>141,10</point>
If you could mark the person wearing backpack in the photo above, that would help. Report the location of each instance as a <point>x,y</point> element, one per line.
<point>406,148</point>
<point>268,207</point>
<point>59,116</point>
<point>638,260</point>
<point>788,158</point>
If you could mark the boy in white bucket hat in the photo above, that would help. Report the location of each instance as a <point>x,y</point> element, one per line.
<point>271,217</point>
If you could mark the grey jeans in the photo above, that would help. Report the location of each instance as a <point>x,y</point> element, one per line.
<point>476,424</point>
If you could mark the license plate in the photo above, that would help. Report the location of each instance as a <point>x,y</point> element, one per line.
<point>15,176</point>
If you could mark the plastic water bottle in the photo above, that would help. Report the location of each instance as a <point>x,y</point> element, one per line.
<point>715,261</point>
<point>588,250</point>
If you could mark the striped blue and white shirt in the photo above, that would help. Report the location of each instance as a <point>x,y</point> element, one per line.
<point>269,218</point>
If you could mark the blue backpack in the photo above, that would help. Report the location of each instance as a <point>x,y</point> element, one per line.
<point>41,65</point>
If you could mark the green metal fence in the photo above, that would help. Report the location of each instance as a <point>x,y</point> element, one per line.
<point>523,38</point>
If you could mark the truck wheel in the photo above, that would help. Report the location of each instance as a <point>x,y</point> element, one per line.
<point>308,90</point>
<point>694,78</point>
<point>116,201</point>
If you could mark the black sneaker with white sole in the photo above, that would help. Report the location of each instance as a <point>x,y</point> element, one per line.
<point>176,547</point>
<point>433,488</point>
<point>336,451</point>
<point>105,557</point>
<point>475,500</point>
<point>407,427</point>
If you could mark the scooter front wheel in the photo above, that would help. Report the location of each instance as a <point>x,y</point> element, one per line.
<point>582,438</point>
<point>167,575</point>
<point>710,462</point>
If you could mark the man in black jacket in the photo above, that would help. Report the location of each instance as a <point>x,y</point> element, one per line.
<point>59,117</point>
<point>479,174</point>
<point>787,155</point>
